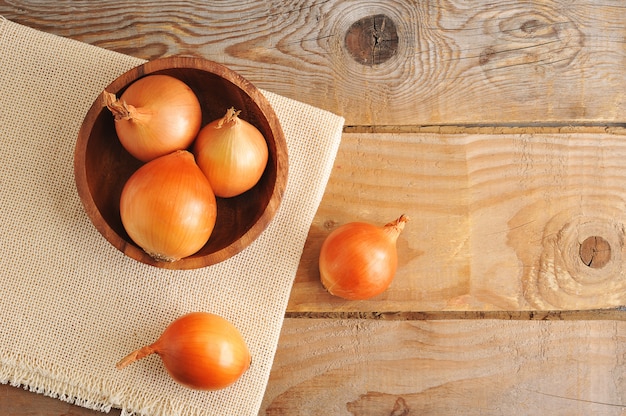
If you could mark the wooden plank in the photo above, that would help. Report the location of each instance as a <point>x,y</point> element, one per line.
<point>375,179</point>
<point>418,63</point>
<point>462,367</point>
<point>368,367</point>
<point>499,222</point>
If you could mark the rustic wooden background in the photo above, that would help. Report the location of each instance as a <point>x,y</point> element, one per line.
<point>497,126</point>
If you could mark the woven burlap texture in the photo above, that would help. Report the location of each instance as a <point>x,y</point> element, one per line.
<point>71,305</point>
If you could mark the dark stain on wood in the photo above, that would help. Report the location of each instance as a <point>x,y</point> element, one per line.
<point>486,55</point>
<point>400,408</point>
<point>376,403</point>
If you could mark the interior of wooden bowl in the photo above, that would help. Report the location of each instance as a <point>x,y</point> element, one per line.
<point>102,165</point>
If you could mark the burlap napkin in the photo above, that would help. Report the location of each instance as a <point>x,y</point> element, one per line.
<point>71,305</point>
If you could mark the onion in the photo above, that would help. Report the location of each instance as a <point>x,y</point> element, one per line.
<point>232,153</point>
<point>359,260</point>
<point>200,350</point>
<point>168,208</point>
<point>156,115</point>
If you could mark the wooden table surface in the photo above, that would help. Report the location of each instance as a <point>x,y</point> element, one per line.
<point>497,126</point>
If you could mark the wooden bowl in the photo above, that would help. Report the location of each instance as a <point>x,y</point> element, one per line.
<point>102,165</point>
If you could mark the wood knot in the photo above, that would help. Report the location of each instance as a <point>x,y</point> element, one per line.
<point>532,43</point>
<point>595,252</point>
<point>486,55</point>
<point>372,40</point>
<point>330,224</point>
<point>400,408</point>
<point>580,263</point>
<point>530,26</point>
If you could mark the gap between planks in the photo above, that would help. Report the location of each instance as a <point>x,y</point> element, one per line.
<point>616,314</point>
<point>535,128</point>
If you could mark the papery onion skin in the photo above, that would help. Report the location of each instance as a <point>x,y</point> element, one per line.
<point>359,260</point>
<point>232,153</point>
<point>168,208</point>
<point>200,350</point>
<point>155,115</point>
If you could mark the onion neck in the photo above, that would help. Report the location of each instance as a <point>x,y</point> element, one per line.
<point>394,228</point>
<point>120,109</point>
<point>135,355</point>
<point>230,119</point>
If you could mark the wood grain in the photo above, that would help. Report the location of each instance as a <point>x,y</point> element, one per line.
<point>365,367</point>
<point>498,220</point>
<point>523,62</point>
